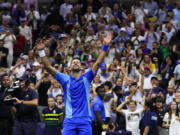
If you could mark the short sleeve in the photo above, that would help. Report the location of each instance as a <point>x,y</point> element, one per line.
<point>147,119</point>
<point>165,119</point>
<point>124,112</point>
<point>97,107</point>
<point>175,70</point>
<point>140,111</point>
<point>89,75</point>
<point>34,94</point>
<point>59,112</point>
<point>43,112</point>
<point>61,78</point>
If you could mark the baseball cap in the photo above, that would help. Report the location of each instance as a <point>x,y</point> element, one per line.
<point>123,29</point>
<point>159,99</point>
<point>143,41</point>
<point>22,78</point>
<point>154,77</point>
<point>36,63</point>
<point>133,84</point>
<point>103,66</point>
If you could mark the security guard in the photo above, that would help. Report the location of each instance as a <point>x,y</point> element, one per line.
<point>53,118</point>
<point>26,114</point>
<point>98,112</point>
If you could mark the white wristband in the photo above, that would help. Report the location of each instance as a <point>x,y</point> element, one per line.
<point>42,53</point>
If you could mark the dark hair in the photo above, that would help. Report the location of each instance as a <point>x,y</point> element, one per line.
<point>117,88</point>
<point>170,112</point>
<point>3,75</point>
<point>99,87</point>
<point>132,101</point>
<point>51,97</point>
<point>149,104</point>
<point>59,95</point>
<point>76,57</point>
<point>1,40</point>
<point>109,84</point>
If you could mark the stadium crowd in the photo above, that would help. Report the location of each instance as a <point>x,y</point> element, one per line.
<point>137,87</point>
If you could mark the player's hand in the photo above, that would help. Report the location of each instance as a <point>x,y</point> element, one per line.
<point>108,38</point>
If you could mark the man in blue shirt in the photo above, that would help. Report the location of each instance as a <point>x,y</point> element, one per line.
<point>98,111</point>
<point>76,89</point>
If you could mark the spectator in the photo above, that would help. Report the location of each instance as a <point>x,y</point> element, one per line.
<point>26,31</point>
<point>9,40</point>
<point>53,118</point>
<point>170,94</point>
<point>152,7</point>
<point>90,15</point>
<point>60,101</point>
<point>37,70</point>
<point>6,118</point>
<point>3,54</point>
<point>65,8</point>
<point>33,17</point>
<point>104,75</point>
<point>54,89</point>
<point>133,116</point>
<point>149,123</point>
<point>171,119</point>
<point>108,100</point>
<point>176,11</point>
<point>98,111</point>
<point>160,111</point>
<point>26,115</point>
<point>19,46</point>
<point>18,12</point>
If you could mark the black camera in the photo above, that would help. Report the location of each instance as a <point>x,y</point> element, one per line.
<point>13,91</point>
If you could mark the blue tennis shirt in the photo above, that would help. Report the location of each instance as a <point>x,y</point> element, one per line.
<point>76,95</point>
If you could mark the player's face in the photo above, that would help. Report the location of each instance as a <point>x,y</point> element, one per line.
<point>76,64</point>
<point>132,106</point>
<point>51,102</point>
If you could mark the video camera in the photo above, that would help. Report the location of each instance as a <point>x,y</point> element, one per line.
<point>13,91</point>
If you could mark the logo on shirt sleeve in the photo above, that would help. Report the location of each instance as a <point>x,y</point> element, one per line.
<point>154,118</point>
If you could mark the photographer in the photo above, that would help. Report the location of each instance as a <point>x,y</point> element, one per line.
<point>6,120</point>
<point>26,114</point>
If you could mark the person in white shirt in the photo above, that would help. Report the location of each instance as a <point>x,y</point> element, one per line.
<point>19,68</point>
<point>65,8</point>
<point>132,116</point>
<point>140,13</point>
<point>26,31</point>
<point>90,15</point>
<point>55,89</point>
<point>172,119</point>
<point>170,94</point>
<point>177,71</point>
<point>37,70</point>
<point>9,40</point>
<point>33,16</point>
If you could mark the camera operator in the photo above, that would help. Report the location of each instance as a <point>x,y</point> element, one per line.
<point>26,114</point>
<point>6,120</point>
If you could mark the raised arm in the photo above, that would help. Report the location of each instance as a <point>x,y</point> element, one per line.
<point>107,41</point>
<point>40,48</point>
<point>119,108</point>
